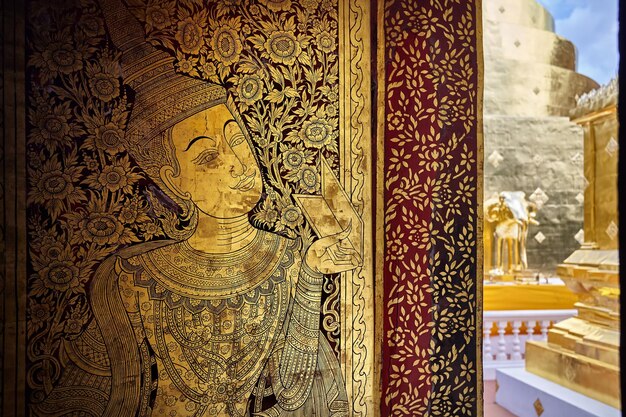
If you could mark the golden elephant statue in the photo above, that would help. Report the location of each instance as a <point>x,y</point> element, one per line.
<point>507,217</point>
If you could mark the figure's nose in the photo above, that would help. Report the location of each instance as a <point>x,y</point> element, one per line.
<point>237,169</point>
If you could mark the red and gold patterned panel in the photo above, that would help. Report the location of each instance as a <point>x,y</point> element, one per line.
<point>431,195</point>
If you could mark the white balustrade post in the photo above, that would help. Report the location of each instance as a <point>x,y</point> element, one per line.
<point>517,353</point>
<point>501,356</point>
<point>487,355</point>
<point>530,329</point>
<point>545,324</point>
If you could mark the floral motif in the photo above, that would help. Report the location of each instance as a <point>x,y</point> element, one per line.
<point>310,5</point>
<point>151,230</point>
<point>283,47</point>
<point>228,6</point>
<point>296,158</point>
<point>267,216</point>
<point>187,65</point>
<point>56,54</point>
<point>190,35</point>
<point>54,250</point>
<point>55,187</point>
<point>107,138</point>
<point>101,228</point>
<point>317,133</point>
<point>91,25</point>
<point>104,86</point>
<point>309,179</point>
<point>326,42</point>
<point>396,120</point>
<point>396,34</point>
<point>226,43</point>
<point>276,5</point>
<point>331,110</point>
<point>52,126</point>
<point>207,69</point>
<point>396,246</point>
<point>60,275</point>
<point>331,93</point>
<point>328,6</point>
<point>62,57</point>
<point>73,325</point>
<point>250,89</point>
<point>396,337</point>
<point>290,216</point>
<point>135,211</point>
<point>158,15</point>
<point>103,81</point>
<point>115,177</point>
<point>39,313</point>
<point>91,163</point>
<point>99,225</point>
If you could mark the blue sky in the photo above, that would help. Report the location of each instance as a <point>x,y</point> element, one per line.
<point>592,26</point>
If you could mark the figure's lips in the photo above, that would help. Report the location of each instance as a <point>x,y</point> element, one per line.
<point>245,183</point>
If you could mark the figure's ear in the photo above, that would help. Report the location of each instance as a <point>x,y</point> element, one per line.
<point>167,176</point>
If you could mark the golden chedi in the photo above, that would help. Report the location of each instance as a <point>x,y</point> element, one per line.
<point>529,69</point>
<point>582,353</point>
<point>531,145</point>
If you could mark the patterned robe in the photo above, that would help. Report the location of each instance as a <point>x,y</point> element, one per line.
<point>193,334</point>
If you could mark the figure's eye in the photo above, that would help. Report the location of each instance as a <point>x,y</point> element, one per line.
<point>206,156</point>
<point>237,139</point>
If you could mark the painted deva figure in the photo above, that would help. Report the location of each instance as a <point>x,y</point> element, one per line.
<point>223,320</point>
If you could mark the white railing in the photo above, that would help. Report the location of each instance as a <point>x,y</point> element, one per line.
<point>508,351</point>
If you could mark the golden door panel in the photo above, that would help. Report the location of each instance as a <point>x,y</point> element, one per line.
<point>198,208</point>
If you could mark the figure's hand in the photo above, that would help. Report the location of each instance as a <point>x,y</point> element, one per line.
<point>333,254</point>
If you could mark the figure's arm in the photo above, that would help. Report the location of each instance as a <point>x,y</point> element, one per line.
<point>299,356</point>
<point>119,339</point>
<point>298,361</point>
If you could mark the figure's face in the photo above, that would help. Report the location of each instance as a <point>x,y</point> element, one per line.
<point>217,167</point>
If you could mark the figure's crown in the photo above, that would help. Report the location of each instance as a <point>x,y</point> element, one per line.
<point>163,97</point>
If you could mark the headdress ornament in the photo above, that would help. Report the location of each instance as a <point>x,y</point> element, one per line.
<point>163,97</point>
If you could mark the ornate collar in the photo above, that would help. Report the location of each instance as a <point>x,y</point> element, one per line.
<point>186,272</point>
